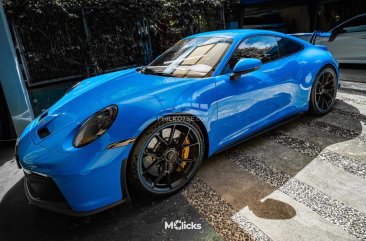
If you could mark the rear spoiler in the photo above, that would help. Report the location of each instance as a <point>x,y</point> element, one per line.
<point>311,37</point>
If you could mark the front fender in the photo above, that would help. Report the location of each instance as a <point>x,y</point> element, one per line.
<point>197,99</point>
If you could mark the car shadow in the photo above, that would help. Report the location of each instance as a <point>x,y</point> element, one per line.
<point>142,219</point>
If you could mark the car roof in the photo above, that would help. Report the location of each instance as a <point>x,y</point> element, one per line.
<point>236,34</point>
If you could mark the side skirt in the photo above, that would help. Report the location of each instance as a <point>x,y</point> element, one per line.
<point>262,131</point>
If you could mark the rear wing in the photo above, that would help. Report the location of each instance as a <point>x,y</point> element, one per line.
<point>312,37</point>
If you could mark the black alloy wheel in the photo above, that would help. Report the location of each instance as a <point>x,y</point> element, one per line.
<point>167,157</point>
<point>324,91</point>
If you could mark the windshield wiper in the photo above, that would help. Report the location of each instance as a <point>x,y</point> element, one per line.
<point>162,74</point>
<point>147,70</point>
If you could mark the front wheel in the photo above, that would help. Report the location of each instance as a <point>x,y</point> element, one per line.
<point>166,157</point>
<point>323,92</point>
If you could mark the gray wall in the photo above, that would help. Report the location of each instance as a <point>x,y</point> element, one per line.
<point>11,79</point>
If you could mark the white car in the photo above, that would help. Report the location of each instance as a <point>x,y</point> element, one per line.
<point>346,41</point>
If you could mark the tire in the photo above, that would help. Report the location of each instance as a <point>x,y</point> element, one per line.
<point>159,164</point>
<point>323,92</point>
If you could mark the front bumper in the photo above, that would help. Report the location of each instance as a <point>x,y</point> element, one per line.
<point>43,192</point>
<point>81,184</point>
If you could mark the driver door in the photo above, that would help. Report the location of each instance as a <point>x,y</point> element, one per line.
<point>258,98</point>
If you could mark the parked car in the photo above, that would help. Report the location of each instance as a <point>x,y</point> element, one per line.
<point>266,21</point>
<point>153,126</point>
<point>346,41</point>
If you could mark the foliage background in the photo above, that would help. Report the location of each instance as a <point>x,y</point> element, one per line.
<point>64,39</point>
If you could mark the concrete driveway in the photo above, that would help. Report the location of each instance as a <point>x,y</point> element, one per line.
<point>303,181</point>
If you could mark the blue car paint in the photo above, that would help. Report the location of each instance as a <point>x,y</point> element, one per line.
<point>90,177</point>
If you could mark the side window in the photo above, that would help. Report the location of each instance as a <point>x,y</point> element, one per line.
<point>259,47</point>
<point>355,25</point>
<point>287,47</point>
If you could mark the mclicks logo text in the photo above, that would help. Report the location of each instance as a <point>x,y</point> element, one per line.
<point>182,225</point>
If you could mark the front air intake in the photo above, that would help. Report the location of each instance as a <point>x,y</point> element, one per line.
<point>43,132</point>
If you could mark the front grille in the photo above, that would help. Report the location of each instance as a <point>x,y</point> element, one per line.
<point>44,189</point>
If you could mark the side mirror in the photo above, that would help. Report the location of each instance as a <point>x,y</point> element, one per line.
<point>244,66</point>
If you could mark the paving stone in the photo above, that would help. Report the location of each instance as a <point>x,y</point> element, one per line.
<point>335,182</point>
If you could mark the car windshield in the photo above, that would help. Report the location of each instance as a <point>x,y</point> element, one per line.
<point>190,58</point>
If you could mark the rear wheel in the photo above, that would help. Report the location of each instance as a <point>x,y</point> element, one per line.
<point>166,157</point>
<point>324,91</point>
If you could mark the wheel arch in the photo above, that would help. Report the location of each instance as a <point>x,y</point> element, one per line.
<point>315,73</point>
<point>326,65</point>
<point>332,65</point>
<point>196,119</point>
<point>125,183</point>
<point>319,71</point>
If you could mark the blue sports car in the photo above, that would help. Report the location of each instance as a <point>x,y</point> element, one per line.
<point>149,128</point>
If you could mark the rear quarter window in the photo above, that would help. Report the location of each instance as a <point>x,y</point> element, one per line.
<point>287,46</point>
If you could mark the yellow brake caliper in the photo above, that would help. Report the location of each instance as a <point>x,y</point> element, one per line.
<point>185,155</point>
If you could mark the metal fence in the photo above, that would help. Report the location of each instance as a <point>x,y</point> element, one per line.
<point>48,47</point>
<point>57,44</point>
<point>82,42</point>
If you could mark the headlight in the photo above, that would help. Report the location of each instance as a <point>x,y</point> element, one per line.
<point>95,126</point>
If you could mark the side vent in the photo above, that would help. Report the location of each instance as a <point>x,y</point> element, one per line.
<point>43,132</point>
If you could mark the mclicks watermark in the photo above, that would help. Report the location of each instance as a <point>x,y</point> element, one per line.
<point>182,225</point>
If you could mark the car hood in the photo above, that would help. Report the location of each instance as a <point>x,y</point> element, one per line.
<point>93,94</point>
<point>103,90</point>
